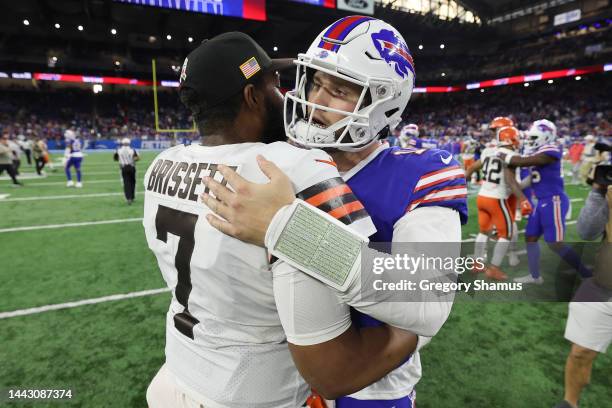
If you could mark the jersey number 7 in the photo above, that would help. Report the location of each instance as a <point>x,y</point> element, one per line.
<point>181,224</point>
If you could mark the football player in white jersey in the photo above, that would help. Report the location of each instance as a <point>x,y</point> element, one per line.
<point>225,345</point>
<point>496,200</point>
<point>353,84</point>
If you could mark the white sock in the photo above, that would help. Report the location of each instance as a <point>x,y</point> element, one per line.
<point>480,247</point>
<point>514,237</point>
<point>500,251</point>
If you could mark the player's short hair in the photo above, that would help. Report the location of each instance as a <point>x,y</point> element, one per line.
<point>212,119</point>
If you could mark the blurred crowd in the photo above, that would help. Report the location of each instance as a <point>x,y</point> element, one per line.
<point>577,107</point>
<point>47,113</point>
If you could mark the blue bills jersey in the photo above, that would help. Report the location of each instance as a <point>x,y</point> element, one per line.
<point>415,142</point>
<point>400,180</point>
<point>547,180</point>
<point>389,185</point>
<point>429,143</point>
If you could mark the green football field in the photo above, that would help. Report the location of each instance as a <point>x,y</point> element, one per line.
<point>86,245</point>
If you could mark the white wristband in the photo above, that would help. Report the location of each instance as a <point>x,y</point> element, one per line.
<point>315,243</point>
<point>508,158</point>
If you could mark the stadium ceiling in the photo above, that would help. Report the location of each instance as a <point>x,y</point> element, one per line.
<point>490,8</point>
<point>143,33</point>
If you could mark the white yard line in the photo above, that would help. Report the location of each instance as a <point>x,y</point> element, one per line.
<point>24,176</point>
<point>70,305</point>
<point>85,182</point>
<point>61,197</point>
<point>73,224</point>
<point>574,200</point>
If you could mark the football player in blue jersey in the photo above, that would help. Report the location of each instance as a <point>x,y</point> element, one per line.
<point>548,219</point>
<point>352,86</point>
<point>409,136</point>
<point>73,156</point>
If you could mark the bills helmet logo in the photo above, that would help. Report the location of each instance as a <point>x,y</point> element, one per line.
<point>545,128</point>
<point>322,54</point>
<point>394,51</point>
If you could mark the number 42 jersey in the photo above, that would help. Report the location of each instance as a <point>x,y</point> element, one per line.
<point>224,339</point>
<point>494,181</point>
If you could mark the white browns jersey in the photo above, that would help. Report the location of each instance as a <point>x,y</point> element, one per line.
<point>494,181</point>
<point>224,339</point>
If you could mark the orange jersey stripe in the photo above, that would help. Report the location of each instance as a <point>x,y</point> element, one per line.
<point>332,163</point>
<point>329,194</point>
<point>346,209</point>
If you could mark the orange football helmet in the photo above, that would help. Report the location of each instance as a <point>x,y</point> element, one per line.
<point>509,135</point>
<point>500,122</point>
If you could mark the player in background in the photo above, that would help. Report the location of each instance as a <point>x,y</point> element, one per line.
<point>496,201</point>
<point>468,148</point>
<point>409,137</point>
<point>588,158</point>
<point>575,156</point>
<point>73,156</point>
<point>419,194</point>
<point>225,346</point>
<point>548,219</point>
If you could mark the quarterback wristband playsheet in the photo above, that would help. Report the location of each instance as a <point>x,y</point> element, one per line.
<point>315,243</point>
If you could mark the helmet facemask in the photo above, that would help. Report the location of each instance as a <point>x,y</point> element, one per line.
<point>356,130</point>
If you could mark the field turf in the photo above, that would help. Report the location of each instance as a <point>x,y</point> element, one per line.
<point>495,354</point>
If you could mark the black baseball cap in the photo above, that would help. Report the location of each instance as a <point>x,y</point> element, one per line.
<point>222,66</point>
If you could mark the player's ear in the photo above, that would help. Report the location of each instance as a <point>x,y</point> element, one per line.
<point>252,97</point>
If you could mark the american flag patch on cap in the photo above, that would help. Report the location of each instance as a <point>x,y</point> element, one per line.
<point>250,68</point>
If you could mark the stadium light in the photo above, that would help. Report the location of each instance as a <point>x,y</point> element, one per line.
<point>97,88</point>
<point>420,46</point>
<point>482,91</point>
<point>117,63</point>
<point>26,22</point>
<point>113,31</point>
<point>275,48</point>
<point>526,84</point>
<point>443,74</point>
<point>80,28</point>
<point>550,81</point>
<point>54,58</point>
<point>190,39</point>
<point>57,25</point>
<point>578,78</point>
<point>442,46</point>
<point>168,37</point>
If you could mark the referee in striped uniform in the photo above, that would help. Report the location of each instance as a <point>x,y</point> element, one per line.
<point>127,157</point>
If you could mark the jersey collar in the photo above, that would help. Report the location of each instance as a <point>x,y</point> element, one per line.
<point>347,175</point>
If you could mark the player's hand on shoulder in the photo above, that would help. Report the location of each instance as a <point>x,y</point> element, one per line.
<point>526,208</point>
<point>246,212</point>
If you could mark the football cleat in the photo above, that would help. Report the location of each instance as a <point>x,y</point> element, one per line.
<point>513,259</point>
<point>79,184</point>
<point>529,279</point>
<point>495,273</point>
<point>70,183</point>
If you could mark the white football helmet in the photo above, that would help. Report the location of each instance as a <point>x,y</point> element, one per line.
<point>363,51</point>
<point>125,141</point>
<point>542,132</point>
<point>410,130</point>
<point>69,134</point>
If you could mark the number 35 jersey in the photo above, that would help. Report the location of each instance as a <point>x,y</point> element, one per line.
<point>494,182</point>
<point>224,339</point>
